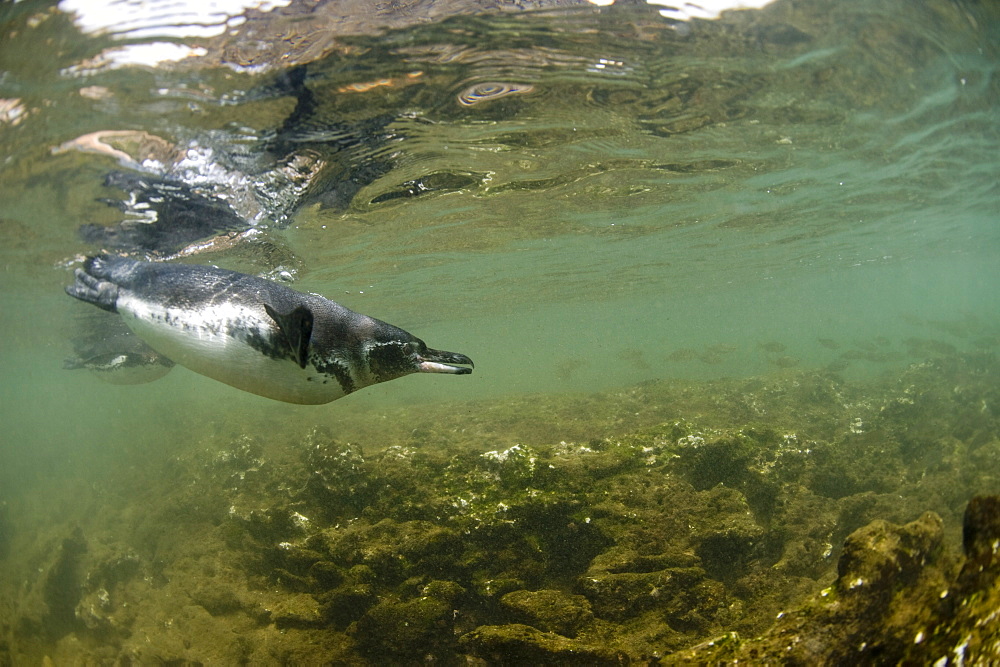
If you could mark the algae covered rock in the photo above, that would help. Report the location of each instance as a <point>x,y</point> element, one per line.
<point>620,595</point>
<point>523,644</point>
<point>393,550</point>
<point>882,556</point>
<point>50,607</point>
<point>217,599</point>
<point>296,611</point>
<point>981,536</point>
<point>337,478</point>
<point>637,547</point>
<point>394,629</point>
<point>550,610</point>
<point>967,627</point>
<point>899,598</point>
<point>390,628</point>
<point>403,481</point>
<point>727,536</point>
<point>345,604</point>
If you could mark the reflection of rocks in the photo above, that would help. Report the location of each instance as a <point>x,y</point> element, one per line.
<point>303,32</point>
<point>162,216</point>
<point>335,135</point>
<point>131,148</point>
<point>325,150</point>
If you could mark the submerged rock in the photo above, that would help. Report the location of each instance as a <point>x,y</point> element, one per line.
<point>899,598</point>
<point>670,541</point>
<point>549,610</point>
<point>392,629</point>
<point>523,644</point>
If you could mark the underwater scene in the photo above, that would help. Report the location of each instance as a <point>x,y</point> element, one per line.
<point>556,332</point>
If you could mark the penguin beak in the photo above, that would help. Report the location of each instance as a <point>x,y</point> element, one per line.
<point>438,361</point>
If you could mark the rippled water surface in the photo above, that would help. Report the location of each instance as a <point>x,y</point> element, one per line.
<point>579,198</point>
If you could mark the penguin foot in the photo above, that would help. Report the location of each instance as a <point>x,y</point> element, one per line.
<point>87,288</point>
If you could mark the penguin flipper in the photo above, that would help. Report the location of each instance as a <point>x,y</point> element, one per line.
<point>297,327</point>
<point>101,293</point>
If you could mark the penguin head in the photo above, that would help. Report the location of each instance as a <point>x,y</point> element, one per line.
<point>396,353</point>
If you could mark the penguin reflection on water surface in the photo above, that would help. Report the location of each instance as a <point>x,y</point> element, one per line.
<point>254,334</point>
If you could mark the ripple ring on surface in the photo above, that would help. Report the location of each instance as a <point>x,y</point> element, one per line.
<point>490,90</point>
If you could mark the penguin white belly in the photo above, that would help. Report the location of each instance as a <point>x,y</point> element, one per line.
<point>213,340</point>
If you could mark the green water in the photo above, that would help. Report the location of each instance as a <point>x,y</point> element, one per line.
<point>834,190</point>
<point>810,187</point>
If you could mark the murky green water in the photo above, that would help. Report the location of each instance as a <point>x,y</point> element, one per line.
<point>808,187</point>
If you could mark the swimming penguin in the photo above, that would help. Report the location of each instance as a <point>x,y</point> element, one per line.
<point>254,334</point>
